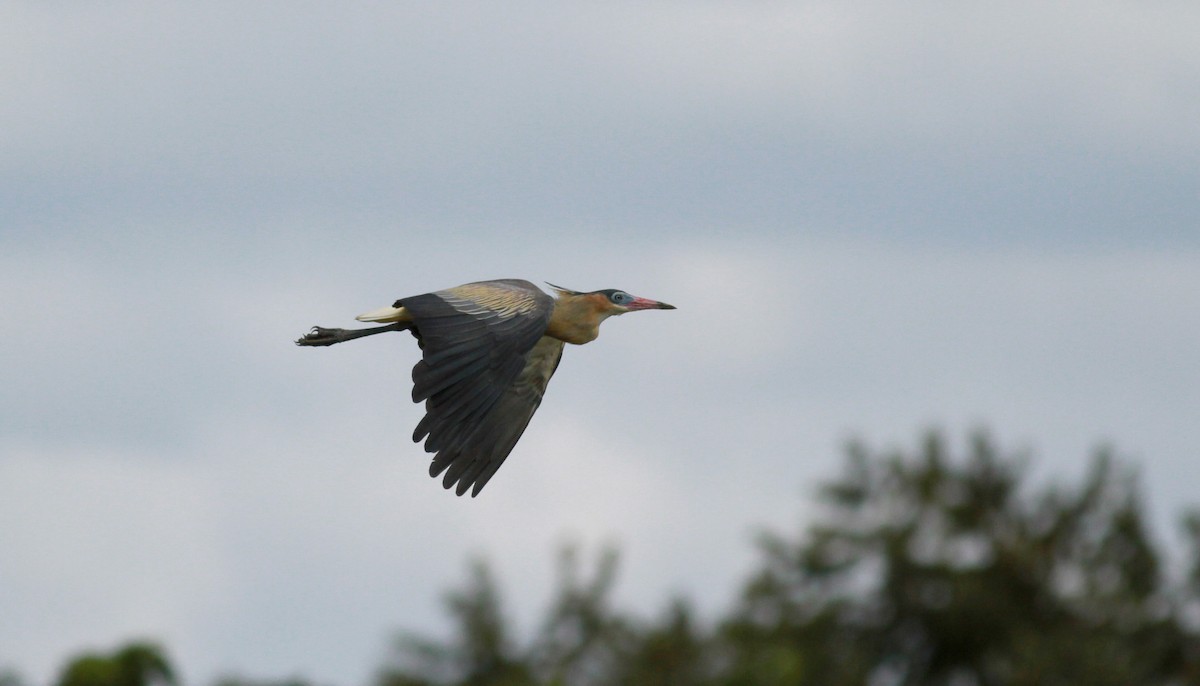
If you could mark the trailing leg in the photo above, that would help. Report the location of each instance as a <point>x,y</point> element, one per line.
<point>323,336</point>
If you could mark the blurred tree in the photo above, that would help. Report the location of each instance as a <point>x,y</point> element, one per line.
<point>673,652</point>
<point>235,680</point>
<point>581,640</point>
<point>481,654</point>
<point>10,677</point>
<point>930,570</point>
<point>585,641</point>
<point>924,569</point>
<point>134,664</point>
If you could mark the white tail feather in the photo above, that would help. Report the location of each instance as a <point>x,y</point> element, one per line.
<point>384,314</point>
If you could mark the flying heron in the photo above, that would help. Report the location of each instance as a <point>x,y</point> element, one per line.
<point>488,350</point>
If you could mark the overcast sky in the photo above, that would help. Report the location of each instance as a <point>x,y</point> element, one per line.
<point>874,218</point>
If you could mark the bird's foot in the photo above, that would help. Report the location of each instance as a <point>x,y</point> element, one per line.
<point>322,336</point>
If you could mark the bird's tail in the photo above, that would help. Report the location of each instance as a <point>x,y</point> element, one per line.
<point>385,314</point>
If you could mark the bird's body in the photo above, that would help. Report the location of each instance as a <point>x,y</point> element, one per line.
<point>489,349</point>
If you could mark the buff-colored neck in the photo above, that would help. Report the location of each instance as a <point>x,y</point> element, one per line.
<point>576,318</point>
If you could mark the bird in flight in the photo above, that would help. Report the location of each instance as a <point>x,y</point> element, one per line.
<point>488,350</point>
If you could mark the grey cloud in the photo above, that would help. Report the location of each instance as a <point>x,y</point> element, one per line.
<point>871,218</point>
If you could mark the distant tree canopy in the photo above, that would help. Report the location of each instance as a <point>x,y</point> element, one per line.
<point>934,570</point>
<point>925,569</point>
<point>135,664</point>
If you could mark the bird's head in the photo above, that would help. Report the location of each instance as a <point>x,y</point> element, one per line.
<point>612,301</point>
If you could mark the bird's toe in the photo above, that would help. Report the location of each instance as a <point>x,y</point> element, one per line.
<point>318,336</point>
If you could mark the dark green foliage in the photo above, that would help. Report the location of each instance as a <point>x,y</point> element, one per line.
<point>923,569</point>
<point>670,653</point>
<point>242,681</point>
<point>135,664</point>
<point>9,677</point>
<point>480,655</point>
<point>930,570</point>
<point>582,639</point>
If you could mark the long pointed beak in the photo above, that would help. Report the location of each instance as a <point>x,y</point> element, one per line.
<point>648,304</point>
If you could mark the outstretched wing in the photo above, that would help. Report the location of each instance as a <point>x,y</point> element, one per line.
<point>477,375</point>
<point>471,461</point>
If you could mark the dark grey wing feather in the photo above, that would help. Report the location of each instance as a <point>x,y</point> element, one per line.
<point>476,342</point>
<point>472,461</point>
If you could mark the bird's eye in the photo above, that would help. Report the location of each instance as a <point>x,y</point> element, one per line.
<point>619,297</point>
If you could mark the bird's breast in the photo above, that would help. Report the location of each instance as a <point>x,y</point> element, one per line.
<point>569,332</point>
<point>543,360</point>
